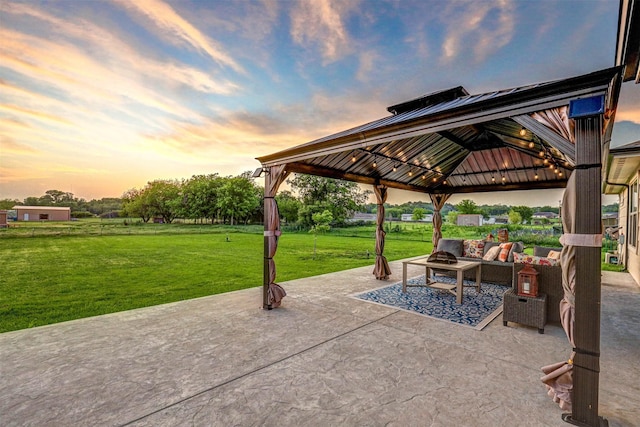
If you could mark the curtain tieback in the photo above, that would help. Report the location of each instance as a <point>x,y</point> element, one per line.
<point>584,240</point>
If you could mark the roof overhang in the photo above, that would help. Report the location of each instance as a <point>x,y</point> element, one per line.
<point>628,43</point>
<point>623,164</point>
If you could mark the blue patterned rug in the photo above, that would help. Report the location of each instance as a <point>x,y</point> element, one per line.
<point>476,310</point>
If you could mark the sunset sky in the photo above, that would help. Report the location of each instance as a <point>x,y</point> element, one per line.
<point>97,97</point>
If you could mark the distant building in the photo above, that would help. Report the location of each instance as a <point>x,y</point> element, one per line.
<point>366,217</point>
<point>409,217</point>
<point>547,215</point>
<point>470,219</point>
<point>42,213</point>
<point>3,219</point>
<point>610,219</point>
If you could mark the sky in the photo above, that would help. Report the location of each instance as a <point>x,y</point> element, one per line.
<point>97,97</point>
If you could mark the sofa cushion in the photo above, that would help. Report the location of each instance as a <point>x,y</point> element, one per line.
<point>522,258</point>
<point>489,245</point>
<point>517,247</point>
<point>492,253</point>
<point>553,255</point>
<point>544,250</point>
<point>505,248</point>
<point>453,246</point>
<point>473,248</point>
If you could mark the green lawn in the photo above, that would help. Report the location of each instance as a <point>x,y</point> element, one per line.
<point>52,272</point>
<point>52,279</point>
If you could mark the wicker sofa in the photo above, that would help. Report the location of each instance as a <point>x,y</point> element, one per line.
<point>492,271</point>
<point>506,273</point>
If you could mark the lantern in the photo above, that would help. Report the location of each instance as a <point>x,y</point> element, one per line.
<point>528,282</point>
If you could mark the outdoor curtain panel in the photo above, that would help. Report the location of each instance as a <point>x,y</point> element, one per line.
<point>557,119</point>
<point>438,201</point>
<point>559,376</point>
<point>275,176</point>
<point>381,269</point>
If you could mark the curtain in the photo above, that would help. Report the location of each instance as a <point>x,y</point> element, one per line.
<point>275,175</point>
<point>559,376</point>
<point>381,269</point>
<point>438,201</point>
<point>558,120</point>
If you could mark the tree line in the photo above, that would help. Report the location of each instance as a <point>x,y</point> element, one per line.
<point>238,199</point>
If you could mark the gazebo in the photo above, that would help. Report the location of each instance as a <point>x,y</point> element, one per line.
<point>450,142</point>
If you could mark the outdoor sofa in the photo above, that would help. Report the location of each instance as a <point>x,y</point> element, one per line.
<point>506,272</point>
<point>495,271</point>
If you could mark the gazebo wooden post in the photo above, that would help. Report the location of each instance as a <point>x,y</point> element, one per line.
<point>586,364</point>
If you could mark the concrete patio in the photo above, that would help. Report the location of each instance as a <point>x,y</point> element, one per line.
<point>322,359</point>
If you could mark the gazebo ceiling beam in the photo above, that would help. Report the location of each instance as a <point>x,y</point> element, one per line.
<point>435,189</point>
<point>552,138</point>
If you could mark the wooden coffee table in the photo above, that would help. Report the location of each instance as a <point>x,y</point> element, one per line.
<point>460,267</point>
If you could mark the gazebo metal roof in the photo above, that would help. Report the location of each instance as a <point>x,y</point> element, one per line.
<point>453,142</point>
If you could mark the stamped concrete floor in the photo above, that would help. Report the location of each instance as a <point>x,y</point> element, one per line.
<point>323,359</point>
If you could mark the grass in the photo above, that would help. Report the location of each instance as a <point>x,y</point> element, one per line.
<point>53,272</point>
<point>54,279</point>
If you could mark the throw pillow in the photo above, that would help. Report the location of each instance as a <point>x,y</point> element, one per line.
<point>505,248</point>
<point>472,248</point>
<point>491,253</point>
<point>553,255</point>
<point>517,247</point>
<point>521,258</point>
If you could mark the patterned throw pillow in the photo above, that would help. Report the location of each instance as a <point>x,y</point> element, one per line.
<point>521,258</point>
<point>553,255</point>
<point>491,254</point>
<point>473,248</point>
<point>504,251</point>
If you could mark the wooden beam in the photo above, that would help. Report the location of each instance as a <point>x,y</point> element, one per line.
<point>550,136</point>
<point>435,189</point>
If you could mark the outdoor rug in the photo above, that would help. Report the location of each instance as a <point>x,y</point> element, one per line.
<point>476,310</point>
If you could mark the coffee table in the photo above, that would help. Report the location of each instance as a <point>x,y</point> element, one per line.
<point>460,267</point>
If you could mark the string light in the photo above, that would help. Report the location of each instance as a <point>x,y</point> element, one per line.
<point>531,144</point>
<point>536,174</point>
<point>395,168</point>
<point>375,163</point>
<point>410,173</point>
<point>353,158</point>
<point>523,132</point>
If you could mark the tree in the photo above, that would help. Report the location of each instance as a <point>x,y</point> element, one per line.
<point>341,198</point>
<point>164,197</point>
<point>467,207</point>
<point>452,217</point>
<point>238,197</point>
<point>288,206</point>
<point>200,196</point>
<point>526,213</point>
<point>515,217</point>
<point>9,203</point>
<point>321,221</point>
<point>418,214</point>
<point>136,204</point>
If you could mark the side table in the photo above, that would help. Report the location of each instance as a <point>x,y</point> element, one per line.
<point>530,311</point>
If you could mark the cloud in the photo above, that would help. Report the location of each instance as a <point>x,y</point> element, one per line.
<point>367,61</point>
<point>481,27</point>
<point>321,23</point>
<point>172,27</point>
<point>10,146</point>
